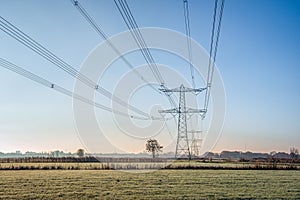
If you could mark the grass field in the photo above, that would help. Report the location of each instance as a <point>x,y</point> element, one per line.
<point>147,165</point>
<point>161,184</point>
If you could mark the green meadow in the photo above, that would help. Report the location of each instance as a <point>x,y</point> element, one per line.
<point>159,184</point>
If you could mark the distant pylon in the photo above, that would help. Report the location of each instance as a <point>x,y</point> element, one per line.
<point>182,146</point>
<point>196,142</point>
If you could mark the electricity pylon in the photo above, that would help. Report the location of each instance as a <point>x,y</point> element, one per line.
<point>196,142</point>
<point>182,146</point>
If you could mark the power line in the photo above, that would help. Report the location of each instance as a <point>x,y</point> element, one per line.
<point>218,36</point>
<point>213,50</point>
<point>23,38</point>
<point>188,38</point>
<point>132,25</point>
<point>210,53</point>
<point>27,74</point>
<point>134,29</point>
<point>100,32</point>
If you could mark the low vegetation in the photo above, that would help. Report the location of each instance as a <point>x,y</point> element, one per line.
<point>159,184</point>
<point>143,164</point>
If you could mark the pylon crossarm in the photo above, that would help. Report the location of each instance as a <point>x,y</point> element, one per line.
<point>193,110</point>
<point>181,89</point>
<point>193,131</point>
<point>174,110</point>
<point>197,91</point>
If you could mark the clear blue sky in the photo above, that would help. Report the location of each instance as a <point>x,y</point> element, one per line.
<point>258,58</point>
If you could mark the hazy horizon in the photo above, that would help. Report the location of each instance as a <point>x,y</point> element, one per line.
<point>136,153</point>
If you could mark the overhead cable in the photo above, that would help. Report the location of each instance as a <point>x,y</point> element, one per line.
<point>188,38</point>
<point>132,25</point>
<point>26,40</point>
<point>27,74</point>
<point>100,32</point>
<point>213,50</point>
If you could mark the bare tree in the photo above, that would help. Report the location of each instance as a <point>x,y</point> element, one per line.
<point>153,147</point>
<point>294,153</point>
<point>80,152</point>
<point>273,154</point>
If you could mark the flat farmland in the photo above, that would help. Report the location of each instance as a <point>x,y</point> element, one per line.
<point>160,184</point>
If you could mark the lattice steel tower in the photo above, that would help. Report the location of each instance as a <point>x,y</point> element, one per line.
<point>196,142</point>
<point>182,146</point>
